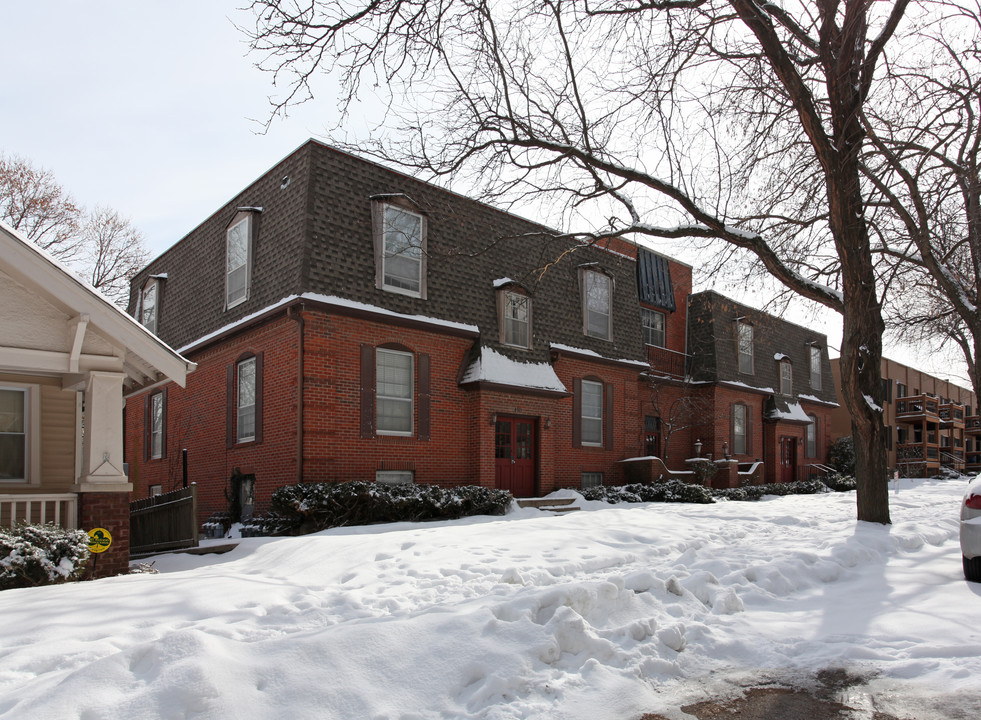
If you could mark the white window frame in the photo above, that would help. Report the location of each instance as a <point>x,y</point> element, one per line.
<point>244,224</point>
<point>594,422</point>
<point>740,417</point>
<point>415,245</point>
<point>510,334</point>
<point>590,479</point>
<point>156,490</point>
<point>786,377</point>
<point>654,335</point>
<point>744,347</point>
<point>592,279</point>
<point>244,411</point>
<point>395,477</point>
<point>407,396</point>
<point>816,380</point>
<point>150,290</point>
<point>32,433</point>
<point>156,425</point>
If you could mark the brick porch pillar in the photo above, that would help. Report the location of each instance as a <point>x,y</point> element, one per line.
<point>108,510</point>
<point>103,489</point>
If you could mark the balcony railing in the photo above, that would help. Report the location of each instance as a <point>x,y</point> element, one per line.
<point>972,423</point>
<point>916,405</point>
<point>911,452</point>
<point>952,413</point>
<point>60,509</point>
<point>666,362</point>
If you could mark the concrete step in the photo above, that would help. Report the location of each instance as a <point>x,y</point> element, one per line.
<point>557,505</point>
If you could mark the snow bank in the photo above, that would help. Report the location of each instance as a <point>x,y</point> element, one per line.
<point>605,614</point>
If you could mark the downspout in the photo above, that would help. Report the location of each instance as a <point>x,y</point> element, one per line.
<point>763,435</point>
<point>297,312</point>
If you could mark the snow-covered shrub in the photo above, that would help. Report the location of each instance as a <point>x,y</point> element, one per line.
<point>841,455</point>
<point>33,555</point>
<point>670,491</point>
<point>317,506</point>
<point>839,482</point>
<point>755,492</point>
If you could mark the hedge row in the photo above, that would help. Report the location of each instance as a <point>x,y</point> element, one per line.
<point>309,507</point>
<point>670,491</point>
<point>678,491</point>
<point>755,492</point>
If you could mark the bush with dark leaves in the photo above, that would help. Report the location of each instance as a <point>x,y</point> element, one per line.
<point>841,455</point>
<point>755,492</point>
<point>671,491</point>
<point>839,482</point>
<point>309,507</point>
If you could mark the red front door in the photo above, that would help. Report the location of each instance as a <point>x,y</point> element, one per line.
<point>514,456</point>
<point>788,459</point>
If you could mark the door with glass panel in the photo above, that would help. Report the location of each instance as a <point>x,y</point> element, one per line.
<point>514,455</point>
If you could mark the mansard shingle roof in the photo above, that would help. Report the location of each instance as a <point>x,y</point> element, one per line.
<point>315,236</point>
<point>712,341</point>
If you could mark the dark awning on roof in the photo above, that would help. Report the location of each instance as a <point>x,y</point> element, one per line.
<point>654,280</point>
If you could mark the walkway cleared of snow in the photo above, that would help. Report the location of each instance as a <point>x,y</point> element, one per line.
<point>607,613</point>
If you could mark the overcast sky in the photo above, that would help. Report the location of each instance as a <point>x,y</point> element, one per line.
<point>142,106</point>
<point>154,109</point>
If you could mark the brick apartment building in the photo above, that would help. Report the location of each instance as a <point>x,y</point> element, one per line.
<point>930,422</point>
<point>351,322</point>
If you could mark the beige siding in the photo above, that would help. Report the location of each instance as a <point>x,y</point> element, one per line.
<point>57,437</point>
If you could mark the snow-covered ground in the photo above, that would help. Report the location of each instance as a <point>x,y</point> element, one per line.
<point>607,613</point>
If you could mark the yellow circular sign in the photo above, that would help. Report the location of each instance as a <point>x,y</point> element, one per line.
<point>99,540</point>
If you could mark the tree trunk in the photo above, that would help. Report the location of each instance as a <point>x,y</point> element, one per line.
<point>861,389</point>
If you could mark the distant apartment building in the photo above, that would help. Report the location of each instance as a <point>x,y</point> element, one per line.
<point>930,423</point>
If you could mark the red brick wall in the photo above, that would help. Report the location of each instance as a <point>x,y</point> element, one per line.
<point>333,446</point>
<point>628,424</point>
<point>460,449</point>
<point>676,330</point>
<point>196,418</point>
<point>109,511</point>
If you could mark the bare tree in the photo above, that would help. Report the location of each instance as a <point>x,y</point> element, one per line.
<point>114,251</point>
<point>678,407</point>
<point>102,246</point>
<point>33,202</point>
<point>735,121</point>
<point>924,162</point>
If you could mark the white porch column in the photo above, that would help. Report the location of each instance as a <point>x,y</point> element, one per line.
<point>102,435</point>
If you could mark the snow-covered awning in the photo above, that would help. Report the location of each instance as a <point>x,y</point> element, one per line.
<point>785,411</point>
<point>493,367</point>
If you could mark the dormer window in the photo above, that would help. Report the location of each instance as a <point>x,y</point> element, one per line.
<point>597,289</point>
<point>815,367</point>
<point>238,258</point>
<point>744,335</point>
<point>514,310</point>
<point>786,377</point>
<point>400,247</point>
<point>148,305</point>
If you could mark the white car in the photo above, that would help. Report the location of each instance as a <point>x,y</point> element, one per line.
<point>971,530</point>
